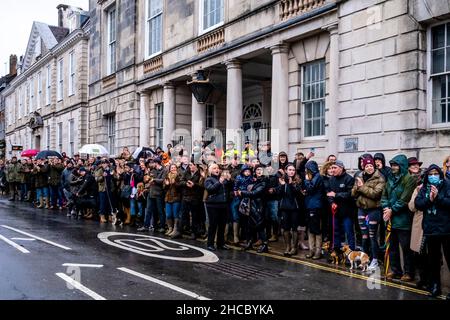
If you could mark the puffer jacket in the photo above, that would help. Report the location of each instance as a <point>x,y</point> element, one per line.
<point>368,196</point>
<point>436,214</point>
<point>342,186</point>
<point>397,194</point>
<point>314,188</point>
<point>257,203</point>
<point>217,195</point>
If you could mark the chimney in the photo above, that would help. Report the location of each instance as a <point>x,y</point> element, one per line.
<point>61,8</point>
<point>13,65</point>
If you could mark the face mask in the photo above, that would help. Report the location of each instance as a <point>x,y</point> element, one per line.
<point>434,180</point>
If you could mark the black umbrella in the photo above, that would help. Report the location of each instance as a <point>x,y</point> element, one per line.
<point>48,154</point>
<point>143,152</point>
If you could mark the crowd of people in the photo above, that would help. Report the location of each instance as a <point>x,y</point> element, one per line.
<point>252,197</point>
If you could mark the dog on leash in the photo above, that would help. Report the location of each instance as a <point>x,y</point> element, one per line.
<point>336,257</point>
<point>355,256</point>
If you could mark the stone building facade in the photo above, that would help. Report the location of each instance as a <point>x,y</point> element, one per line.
<point>46,104</point>
<point>342,77</point>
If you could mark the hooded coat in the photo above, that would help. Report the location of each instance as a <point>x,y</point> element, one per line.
<point>314,188</point>
<point>360,168</point>
<point>436,214</point>
<point>385,171</point>
<point>368,196</point>
<point>256,195</point>
<point>397,194</point>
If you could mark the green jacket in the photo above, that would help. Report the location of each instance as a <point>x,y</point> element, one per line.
<point>100,179</point>
<point>397,194</point>
<point>368,196</point>
<point>13,172</point>
<point>54,174</point>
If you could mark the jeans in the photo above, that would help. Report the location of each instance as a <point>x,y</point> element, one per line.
<point>23,191</point>
<point>235,209</point>
<point>368,221</point>
<point>141,208</point>
<point>55,196</point>
<point>343,226</point>
<point>173,210</point>
<point>133,207</point>
<point>41,192</point>
<point>272,210</point>
<point>401,238</point>
<point>105,208</point>
<point>155,209</point>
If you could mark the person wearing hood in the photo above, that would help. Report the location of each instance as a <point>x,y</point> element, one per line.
<point>342,205</point>
<point>367,190</point>
<point>434,200</point>
<point>380,164</point>
<point>255,219</point>
<point>241,183</point>
<point>282,160</point>
<point>289,190</point>
<point>313,190</point>
<point>326,172</point>
<point>446,168</point>
<point>397,193</point>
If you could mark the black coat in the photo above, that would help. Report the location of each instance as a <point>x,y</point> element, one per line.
<point>257,202</point>
<point>436,214</point>
<point>194,194</point>
<point>89,187</point>
<point>217,192</point>
<point>289,194</point>
<point>342,186</point>
<point>271,183</point>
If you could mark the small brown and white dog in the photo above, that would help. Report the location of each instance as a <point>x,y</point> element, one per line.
<point>335,256</point>
<point>355,256</point>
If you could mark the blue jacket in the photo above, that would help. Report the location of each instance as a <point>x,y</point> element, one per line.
<point>314,188</point>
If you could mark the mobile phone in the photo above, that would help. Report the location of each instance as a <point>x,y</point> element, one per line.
<point>312,149</point>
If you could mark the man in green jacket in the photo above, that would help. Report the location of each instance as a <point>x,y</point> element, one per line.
<point>394,201</point>
<point>13,177</point>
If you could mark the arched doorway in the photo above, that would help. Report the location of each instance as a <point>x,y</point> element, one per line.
<point>252,119</point>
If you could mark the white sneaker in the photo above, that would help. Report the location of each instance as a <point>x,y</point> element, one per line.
<point>373,265</point>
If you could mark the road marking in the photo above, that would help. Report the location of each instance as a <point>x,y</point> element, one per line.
<point>82,265</point>
<point>13,244</point>
<point>348,274</point>
<point>37,238</point>
<point>80,287</point>
<point>23,239</point>
<point>165,284</point>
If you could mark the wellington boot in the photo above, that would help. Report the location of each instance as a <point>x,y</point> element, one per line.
<point>41,203</point>
<point>318,251</point>
<point>235,233</point>
<point>47,203</point>
<point>287,242</point>
<point>294,249</point>
<point>170,225</point>
<point>176,230</point>
<point>227,229</point>
<point>127,215</point>
<point>103,219</point>
<point>301,241</point>
<point>311,240</point>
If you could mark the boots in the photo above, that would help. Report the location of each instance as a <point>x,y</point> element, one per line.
<point>318,251</point>
<point>264,248</point>
<point>41,203</point>
<point>89,214</point>
<point>302,243</point>
<point>287,242</point>
<point>294,249</point>
<point>176,230</point>
<point>127,215</point>
<point>248,246</point>
<point>311,240</point>
<point>235,233</point>
<point>170,230</point>
<point>227,229</point>
<point>47,202</point>
<point>103,219</point>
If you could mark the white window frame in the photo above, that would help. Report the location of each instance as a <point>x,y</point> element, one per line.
<point>111,127</point>
<point>148,20</point>
<point>111,66</point>
<point>31,92</point>
<point>213,107</point>
<point>48,137</point>
<point>48,92</point>
<point>71,73</point>
<point>159,125</point>
<point>71,137</point>
<point>430,124</point>
<point>60,78</point>
<point>202,30</point>
<point>303,107</point>
<point>20,103</point>
<point>60,136</point>
<point>39,79</point>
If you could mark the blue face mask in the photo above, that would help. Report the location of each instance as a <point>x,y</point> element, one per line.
<point>434,180</point>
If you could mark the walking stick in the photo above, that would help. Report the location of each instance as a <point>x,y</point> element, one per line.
<point>388,244</point>
<point>333,212</point>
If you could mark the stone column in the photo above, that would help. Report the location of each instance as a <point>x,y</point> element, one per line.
<point>280,99</point>
<point>234,101</point>
<point>169,114</point>
<point>198,119</point>
<point>144,120</point>
<point>333,99</point>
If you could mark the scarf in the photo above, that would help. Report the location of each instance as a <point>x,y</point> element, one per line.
<point>432,209</point>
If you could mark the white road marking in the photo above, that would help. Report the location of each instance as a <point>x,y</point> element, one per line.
<point>82,265</point>
<point>13,244</point>
<point>80,287</point>
<point>23,239</point>
<point>165,284</point>
<point>37,238</point>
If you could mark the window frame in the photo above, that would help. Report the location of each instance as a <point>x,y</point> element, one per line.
<point>39,80</point>
<point>431,76</point>
<point>48,137</point>
<point>303,102</point>
<point>71,137</point>
<point>207,109</point>
<point>60,136</point>
<point>111,127</point>
<point>60,79</point>
<point>31,97</point>
<point>72,73</point>
<point>202,29</point>
<point>159,130</point>
<point>148,18</point>
<point>111,67</point>
<point>48,95</point>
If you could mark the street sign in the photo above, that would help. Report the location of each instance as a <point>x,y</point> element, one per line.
<point>17,148</point>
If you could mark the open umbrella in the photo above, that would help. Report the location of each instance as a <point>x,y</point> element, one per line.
<point>48,154</point>
<point>29,153</point>
<point>94,150</point>
<point>143,152</point>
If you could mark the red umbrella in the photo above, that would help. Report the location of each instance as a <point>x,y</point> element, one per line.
<point>29,153</point>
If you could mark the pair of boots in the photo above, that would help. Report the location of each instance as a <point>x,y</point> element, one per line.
<point>43,203</point>
<point>315,246</point>
<point>291,248</point>
<point>174,228</point>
